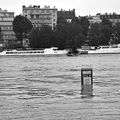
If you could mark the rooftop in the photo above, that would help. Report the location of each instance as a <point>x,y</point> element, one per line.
<point>5,11</point>
<point>38,7</point>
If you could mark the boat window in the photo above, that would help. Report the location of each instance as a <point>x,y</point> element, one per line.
<point>10,52</point>
<point>105,47</point>
<point>28,52</point>
<point>98,47</point>
<point>23,52</point>
<point>14,52</point>
<point>55,49</point>
<point>42,52</point>
<point>114,46</point>
<point>7,52</point>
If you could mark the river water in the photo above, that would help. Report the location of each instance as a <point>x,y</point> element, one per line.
<point>49,88</point>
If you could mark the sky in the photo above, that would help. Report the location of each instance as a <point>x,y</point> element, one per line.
<point>82,7</point>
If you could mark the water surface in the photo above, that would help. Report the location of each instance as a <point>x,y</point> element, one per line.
<point>49,88</point>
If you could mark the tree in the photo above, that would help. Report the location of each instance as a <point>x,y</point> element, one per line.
<point>95,34</point>
<point>41,38</point>
<point>21,26</point>
<point>106,31</point>
<point>61,21</point>
<point>85,25</point>
<point>0,34</point>
<point>58,39</point>
<point>116,33</point>
<point>46,35</point>
<point>106,22</point>
<point>34,38</point>
<point>75,20</point>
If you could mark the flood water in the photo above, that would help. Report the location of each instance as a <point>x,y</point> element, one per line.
<point>49,88</point>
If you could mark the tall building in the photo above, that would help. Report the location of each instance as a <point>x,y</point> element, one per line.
<point>7,36</point>
<point>41,16</point>
<point>68,15</point>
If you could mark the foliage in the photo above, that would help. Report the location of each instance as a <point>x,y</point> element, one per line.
<point>65,35</point>
<point>100,34</point>
<point>61,21</point>
<point>116,33</point>
<point>94,35</point>
<point>75,34</point>
<point>85,25</point>
<point>106,31</point>
<point>21,26</point>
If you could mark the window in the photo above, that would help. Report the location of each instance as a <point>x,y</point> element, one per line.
<point>32,11</point>
<point>105,47</point>
<point>8,28</point>
<point>114,46</point>
<point>42,11</point>
<point>47,11</point>
<point>37,11</point>
<point>25,11</point>
<point>37,16</point>
<point>53,11</point>
<point>32,16</point>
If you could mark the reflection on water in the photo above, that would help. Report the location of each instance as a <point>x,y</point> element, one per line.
<point>86,91</point>
<point>49,88</point>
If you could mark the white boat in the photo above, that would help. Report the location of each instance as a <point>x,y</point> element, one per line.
<point>47,51</point>
<point>110,49</point>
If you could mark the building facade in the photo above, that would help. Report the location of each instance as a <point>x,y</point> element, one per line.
<point>68,15</point>
<point>41,16</point>
<point>7,36</point>
<point>114,18</point>
<point>94,19</point>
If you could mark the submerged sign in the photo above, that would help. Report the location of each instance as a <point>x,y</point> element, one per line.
<point>86,82</point>
<point>86,76</point>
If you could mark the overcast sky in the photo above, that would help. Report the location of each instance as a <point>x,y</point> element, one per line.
<point>82,7</point>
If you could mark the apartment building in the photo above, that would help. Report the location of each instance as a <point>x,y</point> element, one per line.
<point>41,16</point>
<point>113,17</point>
<point>94,19</point>
<point>68,15</point>
<point>7,36</point>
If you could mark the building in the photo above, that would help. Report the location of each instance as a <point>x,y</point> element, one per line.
<point>114,18</point>
<point>68,15</point>
<point>7,36</point>
<point>94,19</point>
<point>41,16</point>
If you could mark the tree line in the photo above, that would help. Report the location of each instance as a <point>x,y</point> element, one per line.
<point>72,34</point>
